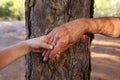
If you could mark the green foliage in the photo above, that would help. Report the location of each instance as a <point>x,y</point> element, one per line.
<point>104,8</point>
<point>12,9</point>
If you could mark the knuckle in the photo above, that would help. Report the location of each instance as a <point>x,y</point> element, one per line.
<point>56,36</point>
<point>53,44</point>
<point>63,41</point>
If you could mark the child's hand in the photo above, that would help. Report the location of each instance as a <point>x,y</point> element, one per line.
<point>38,44</point>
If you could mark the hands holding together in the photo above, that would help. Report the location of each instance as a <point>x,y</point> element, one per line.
<point>57,41</point>
<point>62,37</point>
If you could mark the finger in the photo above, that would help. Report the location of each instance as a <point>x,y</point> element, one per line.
<point>46,53</point>
<point>36,50</point>
<point>48,38</point>
<point>46,56</point>
<point>43,38</point>
<point>54,52</point>
<point>54,41</point>
<point>57,51</point>
<point>57,56</point>
<point>51,39</point>
<point>46,46</point>
<point>61,46</point>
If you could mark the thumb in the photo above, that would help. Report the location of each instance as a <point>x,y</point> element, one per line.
<point>46,46</point>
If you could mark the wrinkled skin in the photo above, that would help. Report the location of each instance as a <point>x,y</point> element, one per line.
<point>62,38</point>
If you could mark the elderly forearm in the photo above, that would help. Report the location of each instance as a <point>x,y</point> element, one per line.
<point>106,26</point>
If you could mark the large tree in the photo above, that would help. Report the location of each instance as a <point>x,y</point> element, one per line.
<point>41,17</point>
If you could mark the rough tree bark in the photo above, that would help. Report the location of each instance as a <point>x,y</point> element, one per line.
<point>41,17</point>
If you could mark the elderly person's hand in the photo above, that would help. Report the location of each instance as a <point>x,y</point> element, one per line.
<point>62,38</point>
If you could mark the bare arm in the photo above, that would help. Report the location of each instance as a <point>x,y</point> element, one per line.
<point>106,26</point>
<point>63,36</point>
<point>10,54</point>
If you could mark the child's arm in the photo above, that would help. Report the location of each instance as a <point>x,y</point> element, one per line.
<point>10,54</point>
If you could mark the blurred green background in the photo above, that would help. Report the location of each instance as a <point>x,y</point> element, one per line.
<point>14,9</point>
<point>105,8</point>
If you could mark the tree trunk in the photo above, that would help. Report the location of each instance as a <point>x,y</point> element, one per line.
<point>41,17</point>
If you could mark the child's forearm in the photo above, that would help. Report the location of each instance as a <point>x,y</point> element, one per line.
<point>106,26</point>
<point>10,54</point>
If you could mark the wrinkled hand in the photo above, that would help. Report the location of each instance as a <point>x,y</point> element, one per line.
<point>60,39</point>
<point>63,37</point>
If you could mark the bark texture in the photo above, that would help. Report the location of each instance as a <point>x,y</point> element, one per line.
<point>41,17</point>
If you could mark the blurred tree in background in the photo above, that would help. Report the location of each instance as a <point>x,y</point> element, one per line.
<point>12,9</point>
<point>104,8</point>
